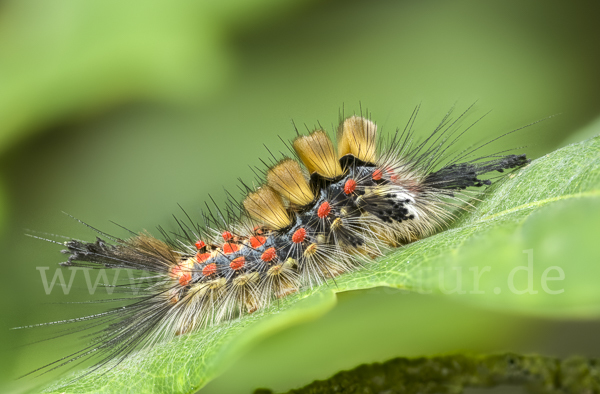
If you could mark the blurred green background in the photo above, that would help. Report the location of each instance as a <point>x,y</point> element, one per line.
<point>119,111</point>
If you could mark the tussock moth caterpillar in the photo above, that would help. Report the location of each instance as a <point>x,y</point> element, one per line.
<point>325,210</point>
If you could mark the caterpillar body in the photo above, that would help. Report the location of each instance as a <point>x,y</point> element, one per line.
<point>317,215</point>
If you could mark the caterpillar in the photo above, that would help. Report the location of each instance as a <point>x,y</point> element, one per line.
<point>324,210</point>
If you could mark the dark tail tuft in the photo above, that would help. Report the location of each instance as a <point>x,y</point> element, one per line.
<point>462,175</point>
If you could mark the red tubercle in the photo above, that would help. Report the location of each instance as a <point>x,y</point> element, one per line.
<point>229,248</point>
<point>392,174</point>
<point>350,186</point>
<point>209,269</point>
<point>200,244</point>
<point>238,263</point>
<point>176,271</point>
<point>202,257</point>
<point>182,273</point>
<point>268,255</point>
<point>257,241</point>
<point>185,278</point>
<point>377,175</point>
<point>227,236</point>
<point>299,235</point>
<point>324,210</point>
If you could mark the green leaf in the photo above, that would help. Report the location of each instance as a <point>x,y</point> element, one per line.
<point>550,206</point>
<point>452,374</point>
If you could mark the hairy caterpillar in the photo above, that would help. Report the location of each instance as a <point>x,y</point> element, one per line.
<point>322,212</point>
